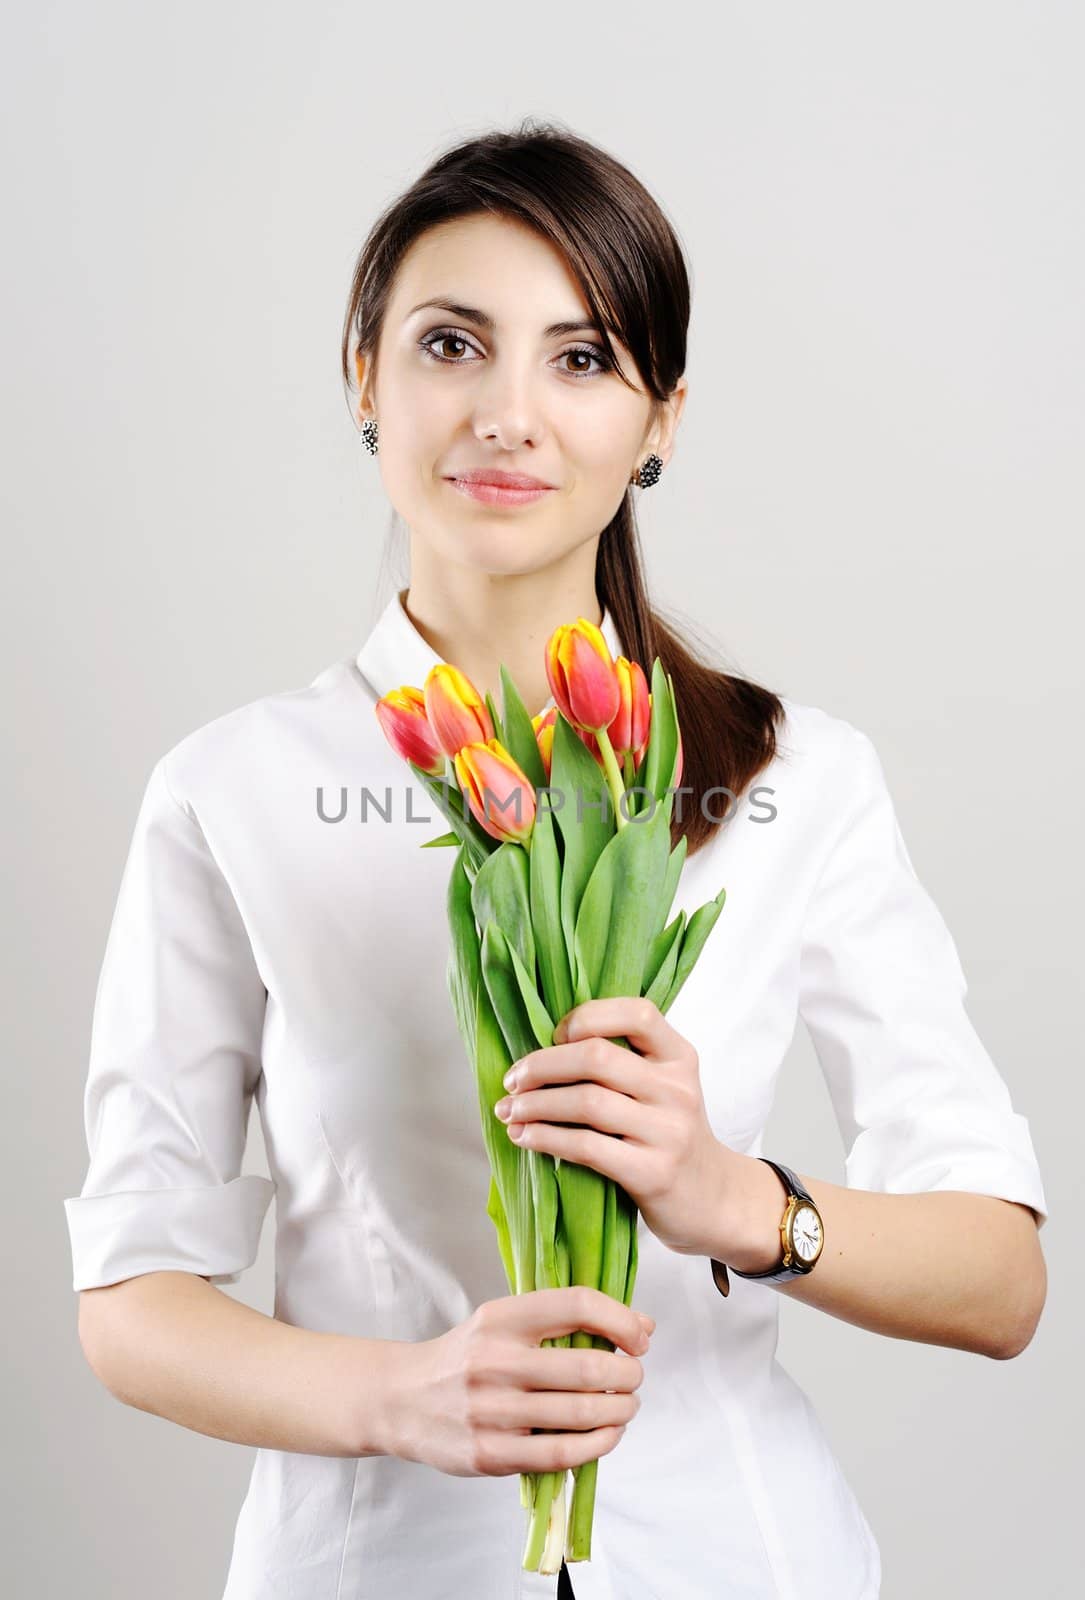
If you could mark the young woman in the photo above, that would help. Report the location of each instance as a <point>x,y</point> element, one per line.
<point>514,347</point>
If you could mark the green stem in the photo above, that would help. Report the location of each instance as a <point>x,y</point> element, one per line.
<point>614,777</point>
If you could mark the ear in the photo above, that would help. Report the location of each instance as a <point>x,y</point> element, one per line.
<point>660,437</point>
<point>360,372</point>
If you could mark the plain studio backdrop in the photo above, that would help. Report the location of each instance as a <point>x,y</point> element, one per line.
<point>875,506</point>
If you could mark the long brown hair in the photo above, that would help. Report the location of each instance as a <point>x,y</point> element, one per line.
<point>630,267</point>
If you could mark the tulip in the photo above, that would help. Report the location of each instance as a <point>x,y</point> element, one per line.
<point>629,729</point>
<point>582,676</point>
<point>402,716</point>
<point>499,792</point>
<point>543,724</point>
<point>457,712</point>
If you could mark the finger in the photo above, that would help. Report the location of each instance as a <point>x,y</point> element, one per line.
<point>591,1060</point>
<point>552,1313</point>
<point>624,1016</point>
<point>588,1104</point>
<point>565,1412</point>
<point>550,1452</point>
<point>604,1153</point>
<point>565,1367</point>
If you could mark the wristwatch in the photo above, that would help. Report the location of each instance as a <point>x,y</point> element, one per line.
<point>802,1235</point>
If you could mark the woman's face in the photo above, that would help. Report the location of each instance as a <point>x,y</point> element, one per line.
<point>454,392</point>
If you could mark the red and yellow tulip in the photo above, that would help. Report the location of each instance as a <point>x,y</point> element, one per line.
<point>457,712</point>
<point>498,791</point>
<point>402,715</point>
<point>543,724</point>
<point>582,675</point>
<point>629,730</point>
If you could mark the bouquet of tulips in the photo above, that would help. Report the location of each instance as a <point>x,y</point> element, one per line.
<point>560,893</point>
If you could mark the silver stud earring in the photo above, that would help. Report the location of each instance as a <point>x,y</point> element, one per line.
<point>368,435</point>
<point>648,472</point>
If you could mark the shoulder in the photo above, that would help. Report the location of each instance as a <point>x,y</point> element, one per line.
<point>829,775</point>
<point>819,742</point>
<point>233,753</point>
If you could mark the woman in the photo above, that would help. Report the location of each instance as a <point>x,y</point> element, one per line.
<point>515,343</point>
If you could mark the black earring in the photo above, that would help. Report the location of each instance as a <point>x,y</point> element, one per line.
<point>648,472</point>
<point>368,435</point>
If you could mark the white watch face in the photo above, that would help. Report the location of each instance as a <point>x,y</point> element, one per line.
<point>806,1232</point>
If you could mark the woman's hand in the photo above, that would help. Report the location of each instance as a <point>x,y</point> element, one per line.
<point>468,1401</point>
<point>637,1116</point>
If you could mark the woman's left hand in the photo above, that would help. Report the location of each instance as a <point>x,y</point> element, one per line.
<point>641,1113</point>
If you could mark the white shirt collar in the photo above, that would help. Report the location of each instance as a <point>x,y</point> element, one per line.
<point>395,652</point>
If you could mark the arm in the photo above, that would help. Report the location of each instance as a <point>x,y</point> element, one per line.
<point>172,1344</point>
<point>935,1235</point>
<point>957,1269</point>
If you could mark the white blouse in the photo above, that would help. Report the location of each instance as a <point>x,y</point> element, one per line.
<point>268,943</point>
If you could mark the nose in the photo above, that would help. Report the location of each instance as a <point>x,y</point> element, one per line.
<point>507,406</point>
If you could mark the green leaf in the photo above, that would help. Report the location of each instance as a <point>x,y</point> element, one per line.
<point>499,977</point>
<point>491,706</point>
<point>701,924</point>
<point>584,817</point>
<point>445,838</point>
<point>660,761</point>
<point>675,862</point>
<point>619,908</point>
<point>544,883</point>
<point>495,1210</point>
<point>464,971</point>
<point>542,1026</point>
<point>659,971</point>
<point>500,894</point>
<point>520,740</point>
<point>449,800</point>
<point>507,1163</point>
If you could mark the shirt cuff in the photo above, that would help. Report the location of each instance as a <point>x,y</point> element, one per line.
<point>213,1231</point>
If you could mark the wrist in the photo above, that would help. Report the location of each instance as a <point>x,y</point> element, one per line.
<point>755,1206</point>
<point>373,1403</point>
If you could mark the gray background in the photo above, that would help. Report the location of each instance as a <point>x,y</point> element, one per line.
<point>875,507</point>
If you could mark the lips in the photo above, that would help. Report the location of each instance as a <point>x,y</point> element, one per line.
<point>495,487</point>
<point>501,480</point>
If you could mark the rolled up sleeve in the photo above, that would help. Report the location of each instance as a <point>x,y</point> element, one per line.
<point>175,1058</point>
<point>918,1099</point>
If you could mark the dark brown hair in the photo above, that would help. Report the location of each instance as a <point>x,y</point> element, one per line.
<point>629,264</point>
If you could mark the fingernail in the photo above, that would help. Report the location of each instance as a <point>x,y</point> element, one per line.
<point>649,1322</point>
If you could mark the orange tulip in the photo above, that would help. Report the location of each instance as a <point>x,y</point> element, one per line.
<point>582,675</point>
<point>402,716</point>
<point>543,723</point>
<point>457,712</point>
<point>498,791</point>
<point>629,730</point>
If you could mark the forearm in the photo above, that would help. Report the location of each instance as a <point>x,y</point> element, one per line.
<point>172,1344</point>
<point>946,1267</point>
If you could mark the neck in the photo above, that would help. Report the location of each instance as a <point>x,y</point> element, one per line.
<point>479,620</point>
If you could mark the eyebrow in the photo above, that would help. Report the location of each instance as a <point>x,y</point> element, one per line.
<point>483,319</point>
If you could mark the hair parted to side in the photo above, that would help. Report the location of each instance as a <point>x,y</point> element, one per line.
<point>629,264</point>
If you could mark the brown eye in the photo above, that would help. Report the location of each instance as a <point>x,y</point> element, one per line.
<point>441,337</point>
<point>585,353</point>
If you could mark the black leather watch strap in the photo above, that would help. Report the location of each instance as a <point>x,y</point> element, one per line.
<point>778,1274</point>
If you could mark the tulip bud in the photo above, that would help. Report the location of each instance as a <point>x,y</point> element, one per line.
<point>629,730</point>
<point>582,676</point>
<point>402,716</point>
<point>543,724</point>
<point>457,712</point>
<point>499,793</point>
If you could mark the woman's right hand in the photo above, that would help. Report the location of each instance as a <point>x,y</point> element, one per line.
<point>467,1401</point>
